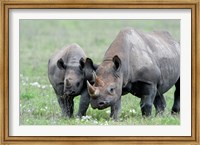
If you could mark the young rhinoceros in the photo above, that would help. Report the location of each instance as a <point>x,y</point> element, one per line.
<point>68,70</point>
<point>143,64</point>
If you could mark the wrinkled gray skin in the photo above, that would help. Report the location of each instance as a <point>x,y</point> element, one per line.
<point>145,65</point>
<point>68,70</point>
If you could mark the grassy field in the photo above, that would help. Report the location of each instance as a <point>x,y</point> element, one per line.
<point>39,39</point>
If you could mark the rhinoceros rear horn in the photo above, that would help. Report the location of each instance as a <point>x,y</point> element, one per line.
<point>99,82</point>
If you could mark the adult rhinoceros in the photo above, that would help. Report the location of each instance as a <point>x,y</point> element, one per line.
<point>143,64</point>
<point>68,70</point>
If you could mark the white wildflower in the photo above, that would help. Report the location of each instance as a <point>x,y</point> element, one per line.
<point>106,123</point>
<point>86,117</point>
<point>108,111</point>
<point>43,87</point>
<point>42,109</point>
<point>95,122</point>
<point>26,78</point>
<point>36,84</point>
<point>132,111</point>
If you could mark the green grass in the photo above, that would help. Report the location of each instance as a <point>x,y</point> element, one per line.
<point>39,39</point>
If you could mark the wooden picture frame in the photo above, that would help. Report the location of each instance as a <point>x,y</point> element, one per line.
<point>193,5</point>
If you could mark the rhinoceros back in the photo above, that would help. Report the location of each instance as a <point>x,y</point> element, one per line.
<point>143,51</point>
<point>166,52</point>
<point>157,50</point>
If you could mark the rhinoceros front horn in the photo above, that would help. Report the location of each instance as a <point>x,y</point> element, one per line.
<point>91,89</point>
<point>68,83</point>
<point>93,92</point>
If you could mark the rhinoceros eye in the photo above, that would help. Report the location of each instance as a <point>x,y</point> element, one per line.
<point>111,90</point>
<point>61,83</point>
<point>78,84</point>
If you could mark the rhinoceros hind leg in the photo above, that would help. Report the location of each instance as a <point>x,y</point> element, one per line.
<point>147,99</point>
<point>176,105</point>
<point>159,103</point>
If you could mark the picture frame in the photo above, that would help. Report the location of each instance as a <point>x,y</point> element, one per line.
<point>6,5</point>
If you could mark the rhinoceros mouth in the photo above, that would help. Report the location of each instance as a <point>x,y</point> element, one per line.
<point>99,107</point>
<point>70,93</point>
<point>102,107</point>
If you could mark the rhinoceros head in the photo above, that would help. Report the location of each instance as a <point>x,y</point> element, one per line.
<point>73,78</point>
<point>75,75</point>
<point>107,88</point>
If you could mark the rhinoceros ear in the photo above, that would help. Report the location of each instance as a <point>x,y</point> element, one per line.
<point>61,65</point>
<point>82,63</point>
<point>117,63</point>
<point>89,63</point>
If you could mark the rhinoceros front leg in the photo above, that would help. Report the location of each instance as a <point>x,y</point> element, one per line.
<point>66,105</point>
<point>147,99</point>
<point>115,109</point>
<point>84,103</point>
